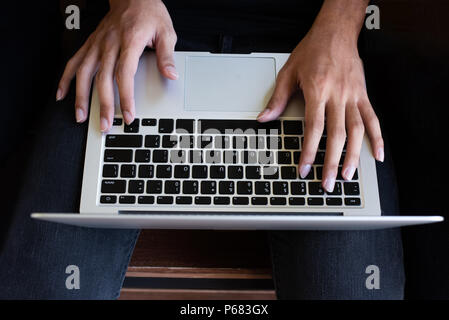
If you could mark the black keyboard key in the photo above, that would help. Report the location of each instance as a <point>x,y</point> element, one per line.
<point>247,126</point>
<point>186,142</point>
<point>190,187</point>
<point>108,199</point>
<point>146,171</point>
<point>199,172</point>
<point>292,127</point>
<point>240,201</point>
<point>298,188</point>
<point>196,156</point>
<point>352,201</point>
<point>163,171</point>
<point>142,156</point>
<point>244,187</point>
<point>226,187</point>
<point>315,188</point>
<point>322,144</point>
<point>262,187</point>
<point>319,172</point>
<point>149,122</point>
<point>136,186</point>
<point>152,141</point>
<point>160,156</point>
<point>222,200</point>
<point>172,187</point>
<point>145,199</point>
<point>169,141</point>
<point>256,142</point>
<point>123,141</point>
<point>205,142</point>
<point>117,122</point>
<point>182,172</point>
<point>202,200</point>
<point>208,187</point>
<point>110,171</point>
<point>164,199</point>
<point>314,201</point>
<point>296,201</point>
<point>253,172</point>
<point>235,172</point>
<point>288,172</point>
<point>351,188</point>
<point>213,156</point>
<point>217,172</point>
<point>249,157</point>
<point>284,157</point>
<point>274,142</point>
<point>259,201</point>
<point>278,201</point>
<point>291,143</point>
<point>280,188</point>
<point>127,199</point>
<point>319,158</point>
<point>178,156</point>
<point>183,200</point>
<point>310,175</point>
<point>185,125</point>
<point>240,142</point>
<point>165,125</point>
<point>266,157</point>
<point>128,171</point>
<point>296,156</point>
<point>222,142</point>
<point>154,186</point>
<point>271,172</point>
<point>133,127</point>
<point>336,191</point>
<point>113,186</point>
<point>334,201</point>
<point>118,155</point>
<point>231,157</point>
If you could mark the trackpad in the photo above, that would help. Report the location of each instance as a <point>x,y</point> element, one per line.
<point>228,83</point>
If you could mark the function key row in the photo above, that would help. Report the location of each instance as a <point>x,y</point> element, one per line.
<point>223,200</point>
<point>231,126</point>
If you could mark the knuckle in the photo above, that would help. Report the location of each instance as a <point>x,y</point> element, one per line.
<point>357,128</point>
<point>337,133</point>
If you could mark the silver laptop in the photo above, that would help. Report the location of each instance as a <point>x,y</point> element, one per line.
<point>196,158</point>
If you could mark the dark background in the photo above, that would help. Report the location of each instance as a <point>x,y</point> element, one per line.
<point>407,72</point>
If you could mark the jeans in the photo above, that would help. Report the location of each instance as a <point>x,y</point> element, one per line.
<point>306,264</point>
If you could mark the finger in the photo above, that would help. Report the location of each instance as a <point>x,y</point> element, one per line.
<point>285,86</point>
<point>69,72</point>
<point>125,71</point>
<point>84,76</point>
<point>313,130</point>
<point>372,126</point>
<point>336,136</point>
<point>165,45</point>
<point>356,130</point>
<point>105,83</point>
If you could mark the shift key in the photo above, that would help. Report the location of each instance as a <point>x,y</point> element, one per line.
<point>113,186</point>
<point>118,155</point>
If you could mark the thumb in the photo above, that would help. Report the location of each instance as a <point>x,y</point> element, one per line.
<point>165,46</point>
<point>285,86</point>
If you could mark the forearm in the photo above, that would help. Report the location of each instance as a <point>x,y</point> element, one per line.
<point>341,18</point>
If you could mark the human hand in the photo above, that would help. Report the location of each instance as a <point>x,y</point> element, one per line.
<point>328,69</point>
<point>113,50</point>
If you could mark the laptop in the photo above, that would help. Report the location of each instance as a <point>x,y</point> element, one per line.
<point>196,158</point>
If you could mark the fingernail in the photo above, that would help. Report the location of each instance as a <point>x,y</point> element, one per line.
<point>79,115</point>
<point>263,114</point>
<point>58,94</point>
<point>380,155</point>
<point>128,117</point>
<point>172,71</point>
<point>329,184</point>
<point>104,124</point>
<point>304,170</point>
<point>348,173</point>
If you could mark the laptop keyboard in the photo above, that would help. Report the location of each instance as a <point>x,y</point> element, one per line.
<point>216,163</point>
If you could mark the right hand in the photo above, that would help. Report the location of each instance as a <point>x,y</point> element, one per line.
<point>113,50</point>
